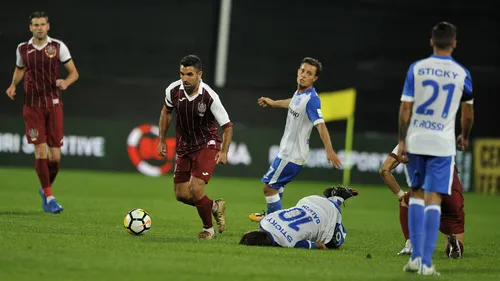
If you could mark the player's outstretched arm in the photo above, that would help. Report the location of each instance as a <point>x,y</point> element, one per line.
<point>164,123</point>
<point>16,78</point>
<point>267,102</point>
<point>467,120</point>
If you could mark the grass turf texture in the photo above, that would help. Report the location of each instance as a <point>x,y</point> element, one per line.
<point>88,241</point>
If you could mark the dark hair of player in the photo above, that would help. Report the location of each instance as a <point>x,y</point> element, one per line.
<point>39,14</point>
<point>314,62</point>
<point>193,61</point>
<point>443,35</point>
<point>257,238</point>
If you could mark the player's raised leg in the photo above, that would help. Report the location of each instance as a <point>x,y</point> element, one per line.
<point>182,177</point>
<point>280,173</point>
<point>202,169</point>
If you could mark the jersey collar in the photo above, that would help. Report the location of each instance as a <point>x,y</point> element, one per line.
<point>442,57</point>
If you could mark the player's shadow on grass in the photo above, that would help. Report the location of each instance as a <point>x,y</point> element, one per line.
<point>20,213</point>
<point>167,239</point>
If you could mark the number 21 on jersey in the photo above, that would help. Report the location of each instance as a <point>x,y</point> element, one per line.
<point>449,89</point>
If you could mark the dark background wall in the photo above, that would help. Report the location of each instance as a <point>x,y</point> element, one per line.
<point>127,53</point>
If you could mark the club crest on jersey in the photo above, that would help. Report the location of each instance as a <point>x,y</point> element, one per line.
<point>50,51</point>
<point>297,101</point>
<point>201,109</point>
<point>33,134</point>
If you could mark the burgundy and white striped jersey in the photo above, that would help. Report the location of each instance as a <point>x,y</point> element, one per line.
<point>42,70</point>
<point>195,126</point>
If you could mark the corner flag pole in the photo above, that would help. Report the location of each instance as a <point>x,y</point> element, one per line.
<point>340,105</point>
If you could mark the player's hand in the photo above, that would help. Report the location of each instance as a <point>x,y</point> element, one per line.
<point>321,246</point>
<point>402,202</point>
<point>221,157</point>
<point>265,102</point>
<point>61,84</point>
<point>11,92</point>
<point>402,152</point>
<point>462,143</point>
<point>162,148</point>
<point>334,159</point>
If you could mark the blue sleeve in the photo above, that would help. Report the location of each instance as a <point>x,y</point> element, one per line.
<point>313,110</point>
<point>305,244</point>
<point>409,87</point>
<point>467,94</point>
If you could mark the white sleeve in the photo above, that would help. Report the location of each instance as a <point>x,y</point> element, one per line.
<point>219,111</point>
<point>64,55</point>
<point>19,59</point>
<point>395,150</point>
<point>168,97</point>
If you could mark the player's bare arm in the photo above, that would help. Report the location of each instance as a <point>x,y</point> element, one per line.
<point>73,75</point>
<point>331,156</point>
<point>467,120</point>
<point>385,172</point>
<point>16,78</point>
<point>405,111</point>
<point>227,136</point>
<point>267,102</point>
<point>164,123</point>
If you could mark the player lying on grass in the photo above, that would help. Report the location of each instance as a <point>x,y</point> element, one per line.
<point>314,223</point>
<point>452,207</point>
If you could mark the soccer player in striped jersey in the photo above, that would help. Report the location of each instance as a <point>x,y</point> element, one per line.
<point>434,89</point>
<point>198,144</point>
<point>38,61</point>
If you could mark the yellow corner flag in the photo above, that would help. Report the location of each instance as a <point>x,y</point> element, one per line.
<point>340,105</point>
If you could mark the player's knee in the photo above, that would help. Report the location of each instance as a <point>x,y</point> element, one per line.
<point>197,188</point>
<point>41,151</point>
<point>54,156</point>
<point>269,191</point>
<point>381,172</point>
<point>183,198</point>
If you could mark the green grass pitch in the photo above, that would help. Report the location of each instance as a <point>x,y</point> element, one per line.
<point>88,241</point>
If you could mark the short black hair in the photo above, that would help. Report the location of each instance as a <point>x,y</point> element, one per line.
<point>193,61</point>
<point>39,14</point>
<point>257,238</point>
<point>443,35</point>
<point>313,62</point>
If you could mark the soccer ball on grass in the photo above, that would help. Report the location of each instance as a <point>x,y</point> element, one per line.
<point>137,222</point>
